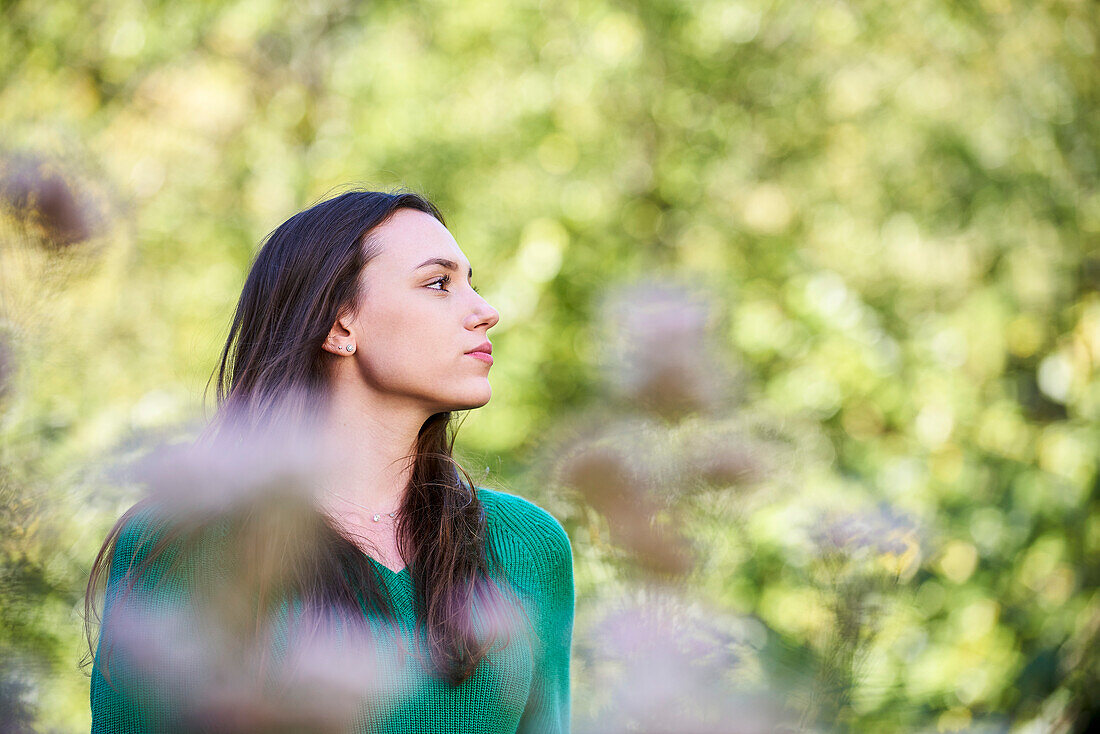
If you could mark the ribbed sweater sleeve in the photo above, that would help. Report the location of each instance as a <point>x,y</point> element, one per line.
<point>542,566</point>
<point>129,702</point>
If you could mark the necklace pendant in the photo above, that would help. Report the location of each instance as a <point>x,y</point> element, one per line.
<point>377,517</point>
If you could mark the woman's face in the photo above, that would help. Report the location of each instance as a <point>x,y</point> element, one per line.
<point>418,319</point>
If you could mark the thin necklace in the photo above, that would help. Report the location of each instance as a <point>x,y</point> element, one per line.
<point>376,516</point>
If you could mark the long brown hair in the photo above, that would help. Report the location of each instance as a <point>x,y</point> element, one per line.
<point>273,369</point>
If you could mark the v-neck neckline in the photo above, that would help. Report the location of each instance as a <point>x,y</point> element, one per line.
<point>388,571</point>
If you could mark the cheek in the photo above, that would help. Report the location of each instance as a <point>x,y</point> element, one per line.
<point>402,341</point>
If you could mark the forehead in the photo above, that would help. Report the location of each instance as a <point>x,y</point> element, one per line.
<point>411,236</point>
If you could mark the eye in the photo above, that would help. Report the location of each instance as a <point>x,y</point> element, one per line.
<point>441,280</point>
<point>445,280</point>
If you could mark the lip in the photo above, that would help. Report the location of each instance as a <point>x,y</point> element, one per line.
<point>483,347</point>
<point>482,351</point>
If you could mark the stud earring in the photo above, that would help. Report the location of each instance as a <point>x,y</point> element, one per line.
<point>350,348</point>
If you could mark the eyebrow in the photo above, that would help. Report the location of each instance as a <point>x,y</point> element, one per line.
<point>449,264</point>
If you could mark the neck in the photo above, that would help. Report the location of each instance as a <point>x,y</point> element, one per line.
<point>369,450</point>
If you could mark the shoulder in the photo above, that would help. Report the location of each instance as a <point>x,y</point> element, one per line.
<point>136,534</point>
<point>536,557</point>
<point>521,528</point>
<point>520,516</point>
<point>149,542</point>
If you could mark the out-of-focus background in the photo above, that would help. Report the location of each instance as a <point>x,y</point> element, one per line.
<point>799,338</point>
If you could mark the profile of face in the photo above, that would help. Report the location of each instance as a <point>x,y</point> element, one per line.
<point>417,321</point>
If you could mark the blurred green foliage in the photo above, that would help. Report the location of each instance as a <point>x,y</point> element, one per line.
<point>897,203</point>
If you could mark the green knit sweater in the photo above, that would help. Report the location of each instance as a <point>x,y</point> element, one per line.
<point>520,687</point>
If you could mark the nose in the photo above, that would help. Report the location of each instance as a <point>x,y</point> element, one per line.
<point>483,314</point>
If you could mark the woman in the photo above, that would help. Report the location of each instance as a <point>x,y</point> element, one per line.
<point>359,316</point>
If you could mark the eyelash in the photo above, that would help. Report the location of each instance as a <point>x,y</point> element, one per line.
<point>446,279</point>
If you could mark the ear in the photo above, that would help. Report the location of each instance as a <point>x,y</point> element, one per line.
<point>340,337</point>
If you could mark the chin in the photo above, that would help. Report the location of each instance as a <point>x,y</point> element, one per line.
<point>473,399</point>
